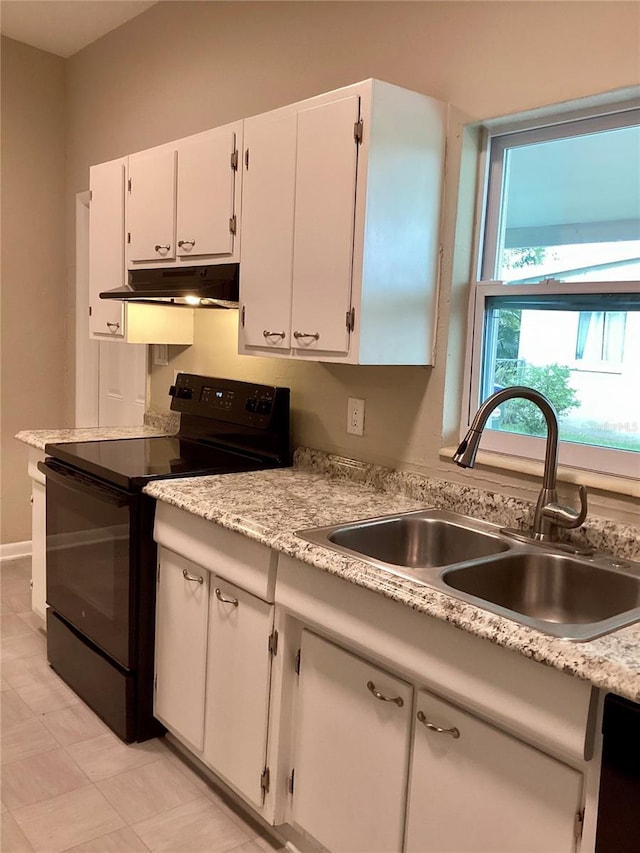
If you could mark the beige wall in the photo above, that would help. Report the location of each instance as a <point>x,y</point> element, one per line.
<point>182,67</point>
<point>35,385</point>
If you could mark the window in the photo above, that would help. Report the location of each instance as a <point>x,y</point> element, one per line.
<point>600,340</point>
<point>557,306</point>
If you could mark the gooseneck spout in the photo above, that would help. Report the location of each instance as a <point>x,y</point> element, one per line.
<point>465,455</point>
<point>549,515</point>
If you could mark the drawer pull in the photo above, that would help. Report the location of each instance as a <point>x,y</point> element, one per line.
<point>397,699</point>
<point>188,577</point>
<point>113,327</point>
<point>224,600</point>
<point>313,335</point>
<point>163,247</point>
<point>454,732</point>
<point>186,244</point>
<point>267,334</point>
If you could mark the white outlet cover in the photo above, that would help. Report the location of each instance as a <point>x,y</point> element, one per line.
<point>161,354</point>
<point>355,416</point>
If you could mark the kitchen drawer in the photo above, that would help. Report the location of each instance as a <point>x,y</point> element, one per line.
<point>234,557</point>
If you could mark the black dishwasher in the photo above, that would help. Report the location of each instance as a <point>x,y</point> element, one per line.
<point>618,829</point>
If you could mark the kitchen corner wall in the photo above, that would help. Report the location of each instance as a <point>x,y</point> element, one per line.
<point>34,294</point>
<point>182,67</point>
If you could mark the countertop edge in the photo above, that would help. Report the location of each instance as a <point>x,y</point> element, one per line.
<point>39,438</point>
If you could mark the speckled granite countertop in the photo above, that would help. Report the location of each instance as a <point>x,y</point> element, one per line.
<point>155,425</point>
<point>269,506</point>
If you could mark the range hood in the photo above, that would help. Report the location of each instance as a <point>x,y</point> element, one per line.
<point>214,286</point>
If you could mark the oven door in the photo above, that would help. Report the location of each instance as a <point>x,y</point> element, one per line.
<point>90,581</point>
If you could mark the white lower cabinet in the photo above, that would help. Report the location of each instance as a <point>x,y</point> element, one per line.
<point>38,548</point>
<point>182,613</point>
<point>351,750</point>
<point>238,680</point>
<point>214,647</point>
<point>475,788</point>
<point>472,787</point>
<point>348,753</point>
<point>38,534</point>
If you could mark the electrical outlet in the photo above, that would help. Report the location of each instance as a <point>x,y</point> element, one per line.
<point>161,354</point>
<point>355,416</point>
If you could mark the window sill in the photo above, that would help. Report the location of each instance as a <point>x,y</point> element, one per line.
<point>601,482</point>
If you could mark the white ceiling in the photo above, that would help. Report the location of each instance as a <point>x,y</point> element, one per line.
<point>64,27</point>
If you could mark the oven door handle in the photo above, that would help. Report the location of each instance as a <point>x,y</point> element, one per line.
<point>80,482</point>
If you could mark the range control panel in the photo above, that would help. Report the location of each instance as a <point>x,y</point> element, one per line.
<point>244,403</point>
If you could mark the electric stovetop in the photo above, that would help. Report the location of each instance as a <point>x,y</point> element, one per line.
<point>132,462</point>
<point>226,426</point>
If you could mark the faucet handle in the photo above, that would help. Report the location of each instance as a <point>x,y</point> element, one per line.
<point>567,516</point>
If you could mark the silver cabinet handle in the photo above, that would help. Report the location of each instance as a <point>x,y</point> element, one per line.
<point>181,243</point>
<point>112,326</point>
<point>188,577</point>
<point>163,246</point>
<point>267,334</point>
<point>397,699</point>
<point>314,335</point>
<point>224,600</point>
<point>454,732</point>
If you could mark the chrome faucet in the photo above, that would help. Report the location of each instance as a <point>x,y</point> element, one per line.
<point>550,516</point>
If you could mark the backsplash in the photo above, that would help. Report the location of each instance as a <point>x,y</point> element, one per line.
<point>168,421</point>
<point>612,537</point>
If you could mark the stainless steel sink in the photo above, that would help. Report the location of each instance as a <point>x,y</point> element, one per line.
<point>576,598</point>
<point>412,544</point>
<point>564,596</point>
<point>422,540</point>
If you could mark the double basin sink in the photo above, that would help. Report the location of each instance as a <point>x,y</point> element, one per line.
<point>573,597</point>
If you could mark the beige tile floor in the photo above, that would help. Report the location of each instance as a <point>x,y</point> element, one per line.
<point>68,783</point>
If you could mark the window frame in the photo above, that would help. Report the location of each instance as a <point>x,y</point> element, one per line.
<point>487,234</point>
<point>574,455</point>
<point>497,143</point>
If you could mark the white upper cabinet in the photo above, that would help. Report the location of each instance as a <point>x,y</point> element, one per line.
<point>106,248</point>
<point>183,201</point>
<point>326,162</point>
<point>297,226</point>
<point>206,183</point>
<point>151,213</point>
<point>112,319</point>
<point>341,208</point>
<point>268,197</point>
<point>362,233</point>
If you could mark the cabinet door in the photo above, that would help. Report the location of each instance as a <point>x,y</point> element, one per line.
<point>268,195</point>
<point>106,247</point>
<point>181,646</point>
<point>485,791</point>
<point>38,549</point>
<point>351,751</point>
<point>238,680</point>
<point>151,212</point>
<point>326,164</point>
<point>122,382</point>
<point>206,184</point>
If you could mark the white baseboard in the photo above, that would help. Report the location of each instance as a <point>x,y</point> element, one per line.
<point>13,550</point>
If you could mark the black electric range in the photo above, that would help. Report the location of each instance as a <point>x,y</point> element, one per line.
<point>101,556</point>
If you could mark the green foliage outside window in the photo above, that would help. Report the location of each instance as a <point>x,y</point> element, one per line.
<point>552,380</point>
